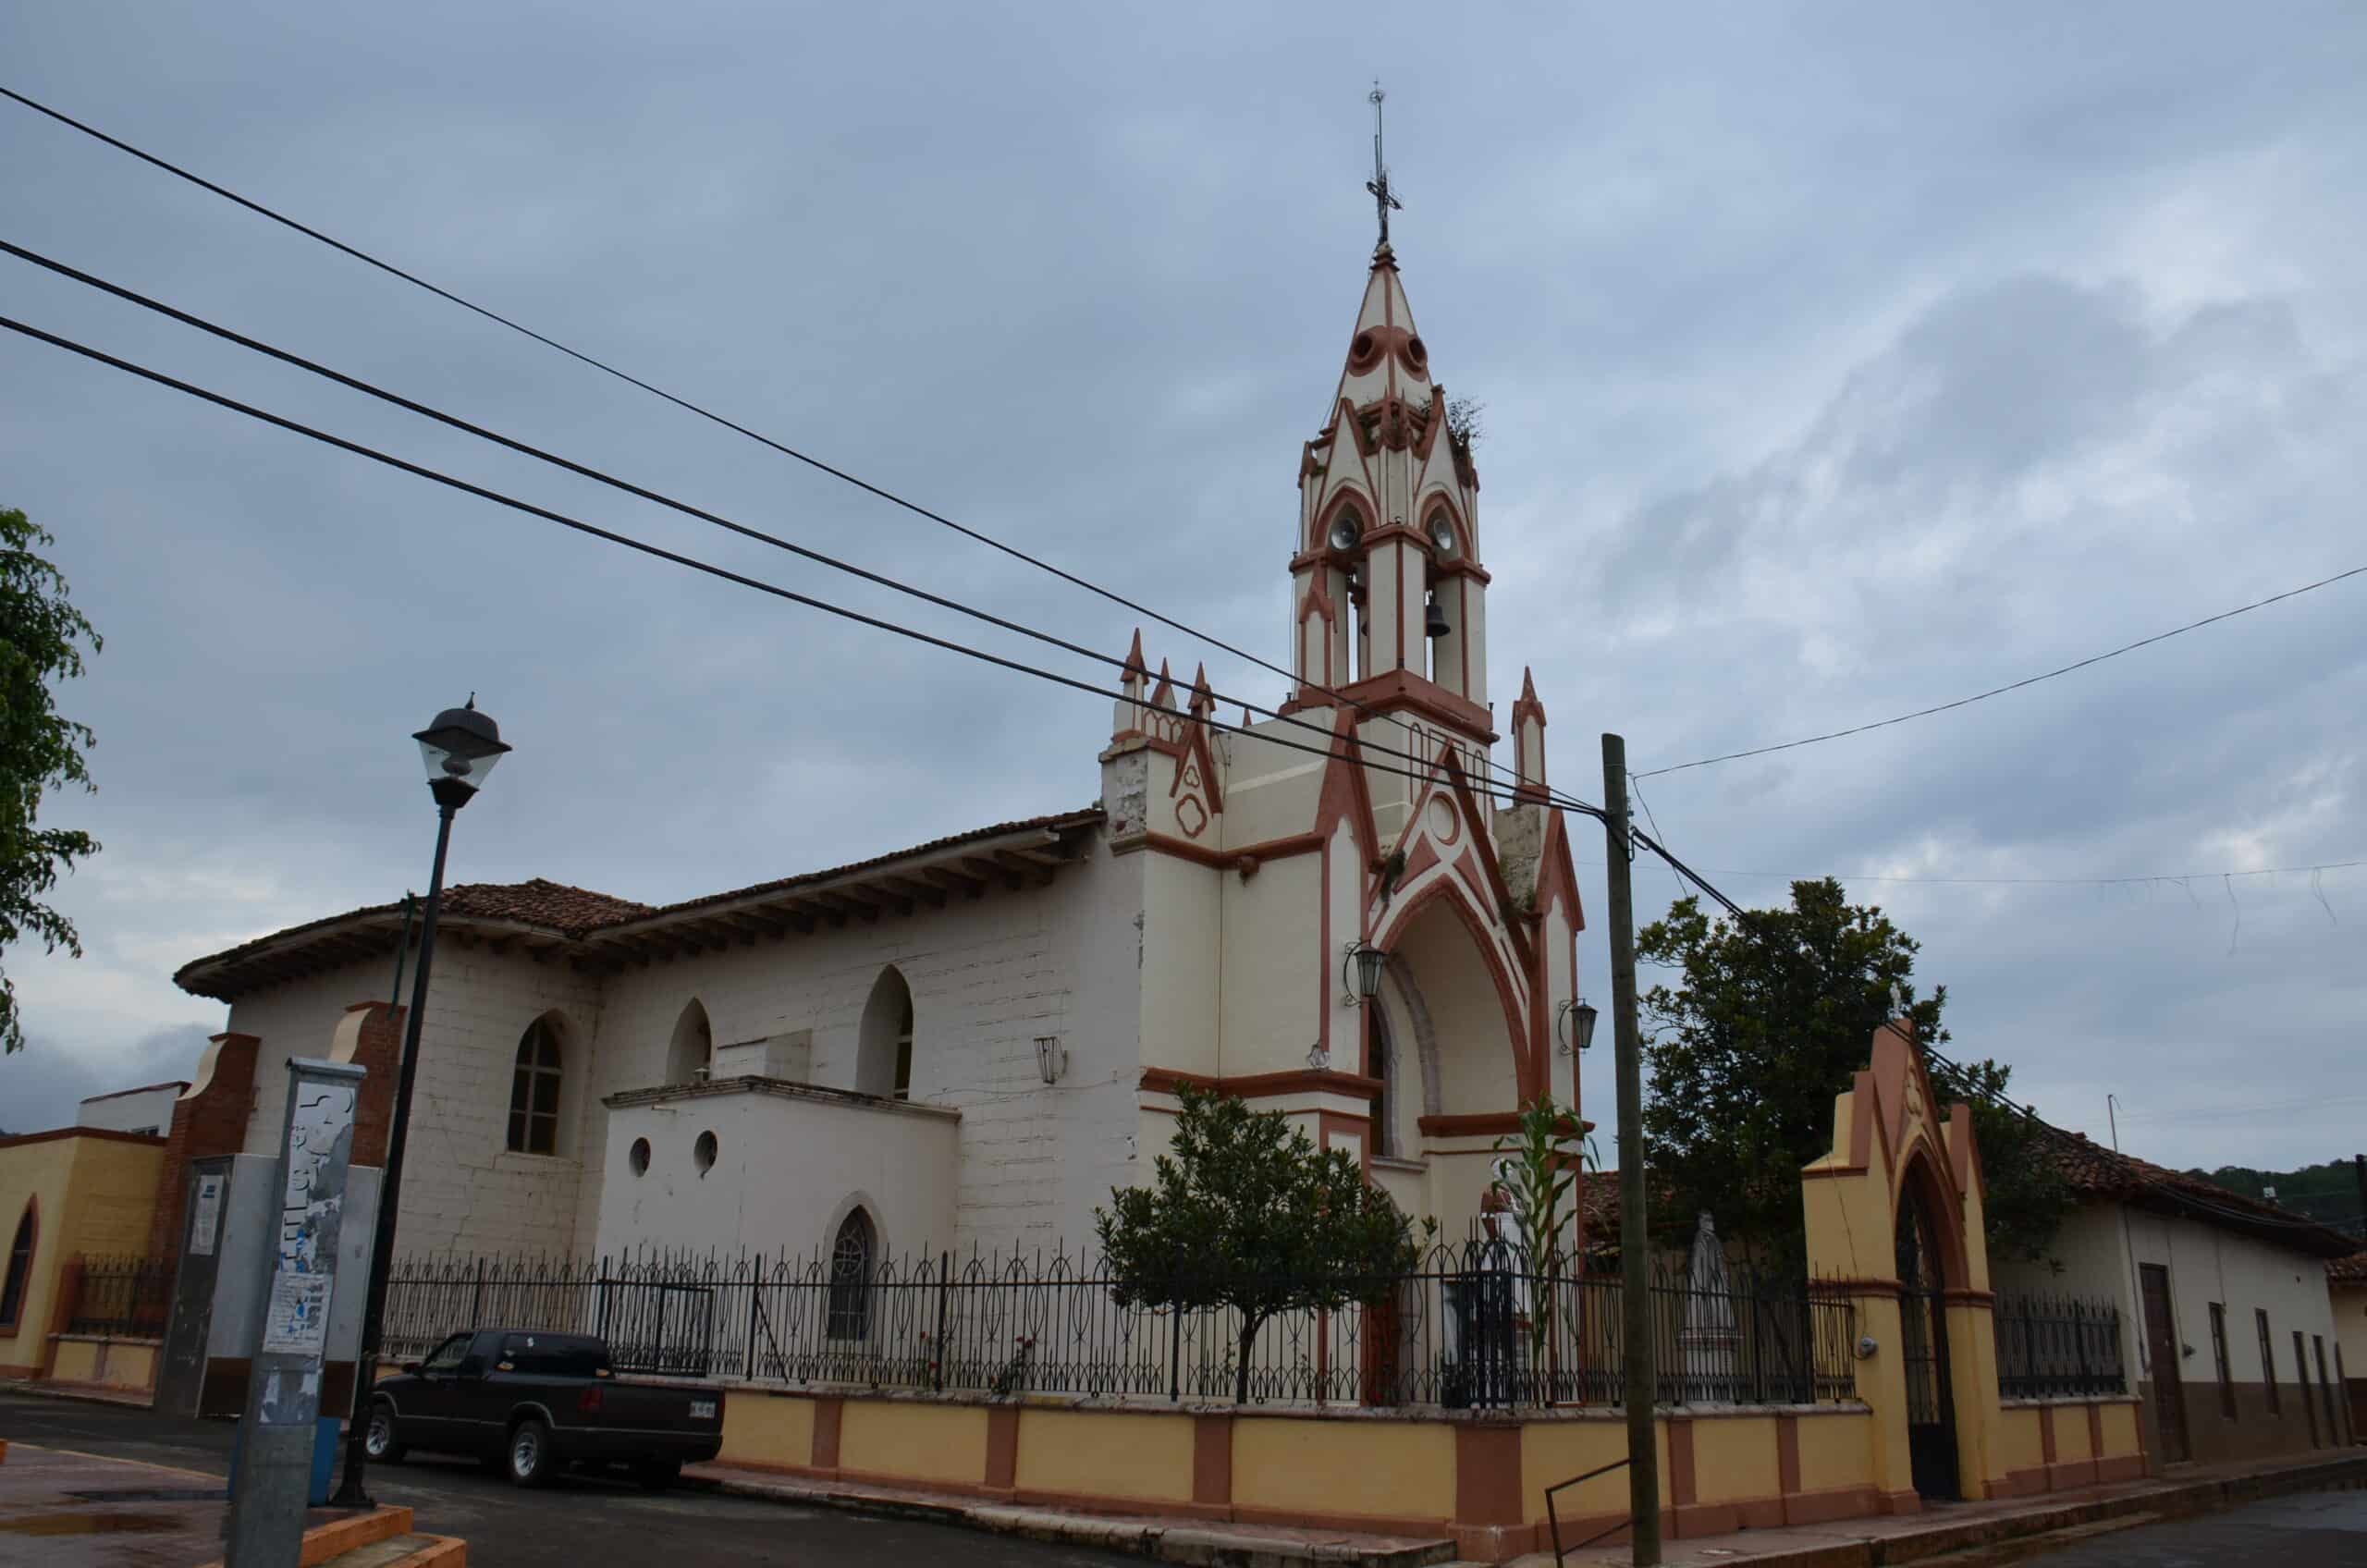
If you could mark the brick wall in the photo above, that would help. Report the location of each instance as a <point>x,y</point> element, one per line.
<point>210,1119</point>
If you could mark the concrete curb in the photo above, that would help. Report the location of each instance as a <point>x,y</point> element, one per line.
<point>80,1393</point>
<point>1204,1545</point>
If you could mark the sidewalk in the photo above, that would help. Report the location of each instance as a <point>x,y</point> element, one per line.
<point>1958,1532</point>
<point>62,1509</point>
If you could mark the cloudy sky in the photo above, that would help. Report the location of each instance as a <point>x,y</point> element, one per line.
<point>1837,361</point>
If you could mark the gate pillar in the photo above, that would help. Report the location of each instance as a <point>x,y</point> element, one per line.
<point>1894,1151</point>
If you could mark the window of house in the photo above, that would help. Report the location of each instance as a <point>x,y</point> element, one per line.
<point>2268,1362</point>
<point>21,1270</point>
<point>883,1063</point>
<point>850,1265</point>
<point>534,1091</point>
<point>2219,1357</point>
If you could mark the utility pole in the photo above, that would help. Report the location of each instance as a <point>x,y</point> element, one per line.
<point>1634,1233</point>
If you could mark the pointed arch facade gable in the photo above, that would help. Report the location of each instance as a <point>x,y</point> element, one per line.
<point>1518,1023</point>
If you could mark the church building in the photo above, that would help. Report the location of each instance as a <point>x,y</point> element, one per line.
<point>1348,912</point>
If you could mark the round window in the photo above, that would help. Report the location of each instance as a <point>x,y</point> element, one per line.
<point>703,1152</point>
<point>638,1156</point>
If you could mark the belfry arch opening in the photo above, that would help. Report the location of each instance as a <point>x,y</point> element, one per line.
<point>883,1063</point>
<point>693,1046</point>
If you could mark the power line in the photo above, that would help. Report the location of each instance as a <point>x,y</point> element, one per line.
<point>643,492</point>
<point>815,463</point>
<point>2012,685</point>
<point>594,530</point>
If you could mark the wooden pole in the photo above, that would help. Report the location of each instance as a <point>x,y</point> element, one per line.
<point>1635,1235</point>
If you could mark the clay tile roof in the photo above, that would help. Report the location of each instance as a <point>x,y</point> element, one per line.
<point>2096,1172</point>
<point>2351,1270</point>
<point>540,912</point>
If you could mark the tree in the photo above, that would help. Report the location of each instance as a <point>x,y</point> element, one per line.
<point>39,638</point>
<point>1775,1015</point>
<point>1246,1212</point>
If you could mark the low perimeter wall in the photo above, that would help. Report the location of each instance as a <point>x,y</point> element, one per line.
<point>1480,1480</point>
<point>2048,1445</point>
<point>95,1360</point>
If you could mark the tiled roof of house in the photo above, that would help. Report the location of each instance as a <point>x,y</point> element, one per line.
<point>2351,1270</point>
<point>543,912</point>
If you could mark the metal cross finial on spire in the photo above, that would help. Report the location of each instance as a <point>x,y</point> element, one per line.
<point>1382,197</point>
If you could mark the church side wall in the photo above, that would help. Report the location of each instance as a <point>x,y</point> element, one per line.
<point>988,976</point>
<point>462,1187</point>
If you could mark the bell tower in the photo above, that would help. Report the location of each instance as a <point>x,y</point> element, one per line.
<point>1387,595</point>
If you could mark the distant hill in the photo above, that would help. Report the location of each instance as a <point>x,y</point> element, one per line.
<point>2328,1192</point>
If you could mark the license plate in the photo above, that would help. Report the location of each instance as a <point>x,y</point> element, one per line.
<point>702,1410</point>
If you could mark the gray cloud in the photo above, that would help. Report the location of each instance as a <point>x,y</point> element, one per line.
<point>1837,359</point>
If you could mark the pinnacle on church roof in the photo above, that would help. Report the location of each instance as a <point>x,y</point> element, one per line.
<point>1163,695</point>
<point>1135,665</point>
<point>1203,700</point>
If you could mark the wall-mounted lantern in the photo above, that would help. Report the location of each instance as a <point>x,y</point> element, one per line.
<point>1576,1025</point>
<point>1361,972</point>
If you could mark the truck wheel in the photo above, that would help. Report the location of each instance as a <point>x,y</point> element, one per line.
<point>378,1440</point>
<point>658,1475</point>
<point>530,1460</point>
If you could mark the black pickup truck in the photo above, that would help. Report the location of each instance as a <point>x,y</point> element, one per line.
<point>531,1402</point>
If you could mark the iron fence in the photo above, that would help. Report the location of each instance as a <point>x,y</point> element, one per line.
<point>2058,1346</point>
<point>1473,1325</point>
<point>122,1298</point>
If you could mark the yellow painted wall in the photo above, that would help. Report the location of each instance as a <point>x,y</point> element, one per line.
<point>130,1365</point>
<point>2120,1431</point>
<point>2071,1434</point>
<point>1837,1450</point>
<point>40,1173</point>
<point>78,1362</point>
<point>1106,1453</point>
<point>1391,1469</point>
<point>114,1196</point>
<point>927,1442</point>
<point>1553,1451</point>
<point>2019,1444</point>
<point>1735,1457</point>
<point>766,1429</point>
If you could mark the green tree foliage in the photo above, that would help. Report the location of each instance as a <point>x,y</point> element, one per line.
<point>2328,1192</point>
<point>39,638</point>
<point>1246,1212</point>
<point>1774,1016</point>
<point>1540,1163</point>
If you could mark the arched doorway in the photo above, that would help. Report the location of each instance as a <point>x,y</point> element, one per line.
<point>1923,1340</point>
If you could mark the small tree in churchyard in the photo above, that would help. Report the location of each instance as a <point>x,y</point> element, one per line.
<point>1246,1212</point>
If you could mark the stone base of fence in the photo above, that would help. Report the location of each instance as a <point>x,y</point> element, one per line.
<point>1478,1478</point>
<point>104,1362</point>
<point>2052,1445</point>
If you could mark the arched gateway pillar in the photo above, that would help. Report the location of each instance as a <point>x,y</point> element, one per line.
<point>1895,1225</point>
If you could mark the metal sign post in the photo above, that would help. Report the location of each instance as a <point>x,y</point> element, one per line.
<point>265,1528</point>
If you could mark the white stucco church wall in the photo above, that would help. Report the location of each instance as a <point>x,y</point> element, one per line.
<point>978,1038</point>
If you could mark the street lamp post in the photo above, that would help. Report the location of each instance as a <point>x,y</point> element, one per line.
<point>459,749</point>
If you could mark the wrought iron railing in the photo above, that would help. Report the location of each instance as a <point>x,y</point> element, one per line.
<point>2058,1346</point>
<point>1473,1325</point>
<point>122,1298</point>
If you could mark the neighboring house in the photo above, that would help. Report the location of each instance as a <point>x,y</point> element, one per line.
<point>970,1042</point>
<point>65,1195</point>
<point>147,1109</point>
<point>2227,1323</point>
<point>2346,1280</point>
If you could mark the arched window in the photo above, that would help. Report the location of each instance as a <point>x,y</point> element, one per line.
<point>534,1091</point>
<point>852,1259</point>
<point>20,1271</point>
<point>693,1044</point>
<point>1384,1068</point>
<point>883,1063</point>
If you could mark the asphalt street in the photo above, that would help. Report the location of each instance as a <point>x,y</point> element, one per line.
<point>2312,1530</point>
<point>574,1520</point>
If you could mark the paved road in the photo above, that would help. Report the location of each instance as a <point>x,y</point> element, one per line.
<point>575,1521</point>
<point>2313,1530</point>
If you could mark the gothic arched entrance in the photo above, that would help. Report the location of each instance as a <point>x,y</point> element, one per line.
<point>1923,1342</point>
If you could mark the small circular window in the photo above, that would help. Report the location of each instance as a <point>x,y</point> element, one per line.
<point>703,1152</point>
<point>638,1156</point>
